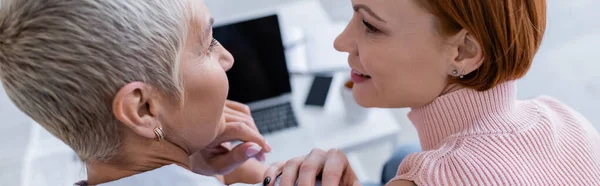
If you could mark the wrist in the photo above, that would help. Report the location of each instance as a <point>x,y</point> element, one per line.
<point>221,178</point>
<point>251,172</point>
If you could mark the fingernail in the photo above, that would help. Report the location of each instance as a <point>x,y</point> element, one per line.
<point>262,157</point>
<point>253,150</point>
<point>267,181</point>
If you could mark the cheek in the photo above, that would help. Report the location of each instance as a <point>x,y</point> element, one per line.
<point>206,92</point>
<point>406,73</point>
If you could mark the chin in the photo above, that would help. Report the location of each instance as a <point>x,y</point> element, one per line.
<point>370,102</point>
<point>366,102</point>
<point>376,104</point>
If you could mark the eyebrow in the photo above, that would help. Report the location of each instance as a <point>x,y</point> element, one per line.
<point>211,22</point>
<point>207,30</point>
<point>368,10</point>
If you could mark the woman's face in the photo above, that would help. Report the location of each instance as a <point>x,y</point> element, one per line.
<point>203,66</point>
<point>397,49</point>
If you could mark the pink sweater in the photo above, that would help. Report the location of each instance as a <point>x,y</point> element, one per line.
<point>491,138</point>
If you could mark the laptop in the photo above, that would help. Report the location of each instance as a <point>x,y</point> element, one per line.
<point>259,77</point>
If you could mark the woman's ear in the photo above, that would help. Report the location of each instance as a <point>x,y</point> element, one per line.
<point>136,108</point>
<point>467,55</point>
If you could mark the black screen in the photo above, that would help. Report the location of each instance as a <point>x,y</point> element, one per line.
<point>319,90</point>
<point>260,70</point>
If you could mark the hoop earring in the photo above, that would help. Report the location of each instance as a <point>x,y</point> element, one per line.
<point>160,134</point>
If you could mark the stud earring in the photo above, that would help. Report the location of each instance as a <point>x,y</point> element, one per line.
<point>454,72</point>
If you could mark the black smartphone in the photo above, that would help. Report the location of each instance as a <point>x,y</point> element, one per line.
<point>319,91</point>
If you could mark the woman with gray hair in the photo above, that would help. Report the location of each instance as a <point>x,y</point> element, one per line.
<point>136,88</point>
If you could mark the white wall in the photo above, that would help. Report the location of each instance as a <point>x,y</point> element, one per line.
<point>568,64</point>
<point>226,8</point>
<point>14,135</point>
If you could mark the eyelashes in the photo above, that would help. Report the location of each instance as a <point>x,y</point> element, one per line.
<point>213,44</point>
<point>370,28</point>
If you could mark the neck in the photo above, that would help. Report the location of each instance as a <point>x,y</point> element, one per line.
<point>137,156</point>
<point>451,88</point>
<point>469,112</point>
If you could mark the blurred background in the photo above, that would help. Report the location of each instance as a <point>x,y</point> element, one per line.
<point>566,67</point>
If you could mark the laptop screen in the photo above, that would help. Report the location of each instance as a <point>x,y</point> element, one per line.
<point>260,70</point>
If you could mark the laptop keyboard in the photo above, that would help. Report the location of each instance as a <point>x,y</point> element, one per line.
<point>276,118</point>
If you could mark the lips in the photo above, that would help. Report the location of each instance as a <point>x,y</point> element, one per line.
<point>358,77</point>
<point>360,74</point>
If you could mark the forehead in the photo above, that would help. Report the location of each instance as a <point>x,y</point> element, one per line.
<point>392,7</point>
<point>200,18</point>
<point>398,12</point>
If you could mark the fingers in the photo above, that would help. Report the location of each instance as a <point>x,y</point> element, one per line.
<point>237,131</point>
<point>332,165</point>
<point>238,106</point>
<point>290,171</point>
<point>272,172</point>
<point>262,157</point>
<point>311,167</point>
<point>238,112</point>
<point>335,168</point>
<point>236,116</point>
<point>237,156</point>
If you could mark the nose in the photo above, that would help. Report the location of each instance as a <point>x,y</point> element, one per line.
<point>344,43</point>
<point>226,59</point>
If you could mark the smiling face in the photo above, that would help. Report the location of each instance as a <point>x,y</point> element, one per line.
<point>397,57</point>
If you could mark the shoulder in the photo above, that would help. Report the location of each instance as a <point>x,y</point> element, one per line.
<point>466,161</point>
<point>401,183</point>
<point>426,167</point>
<point>166,175</point>
<point>550,105</point>
<point>556,112</point>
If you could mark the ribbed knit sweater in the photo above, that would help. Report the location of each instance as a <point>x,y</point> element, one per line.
<point>491,138</point>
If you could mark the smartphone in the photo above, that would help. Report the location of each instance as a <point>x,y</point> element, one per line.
<point>319,91</point>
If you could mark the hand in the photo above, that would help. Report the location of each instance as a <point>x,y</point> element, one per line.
<point>250,172</point>
<point>238,112</point>
<point>220,157</point>
<point>332,166</point>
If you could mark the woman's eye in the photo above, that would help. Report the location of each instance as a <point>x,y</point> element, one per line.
<point>370,28</point>
<point>213,44</point>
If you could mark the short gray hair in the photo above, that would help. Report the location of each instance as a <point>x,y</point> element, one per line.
<point>63,61</point>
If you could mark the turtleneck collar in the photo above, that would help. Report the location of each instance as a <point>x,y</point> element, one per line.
<point>470,112</point>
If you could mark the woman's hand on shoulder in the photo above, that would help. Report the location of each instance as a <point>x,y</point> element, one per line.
<point>251,172</point>
<point>332,166</point>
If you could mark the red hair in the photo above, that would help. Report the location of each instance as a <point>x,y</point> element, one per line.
<point>509,31</point>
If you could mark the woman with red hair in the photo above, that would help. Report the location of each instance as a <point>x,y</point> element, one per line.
<point>454,63</point>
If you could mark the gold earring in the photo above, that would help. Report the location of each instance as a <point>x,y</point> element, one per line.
<point>160,134</point>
